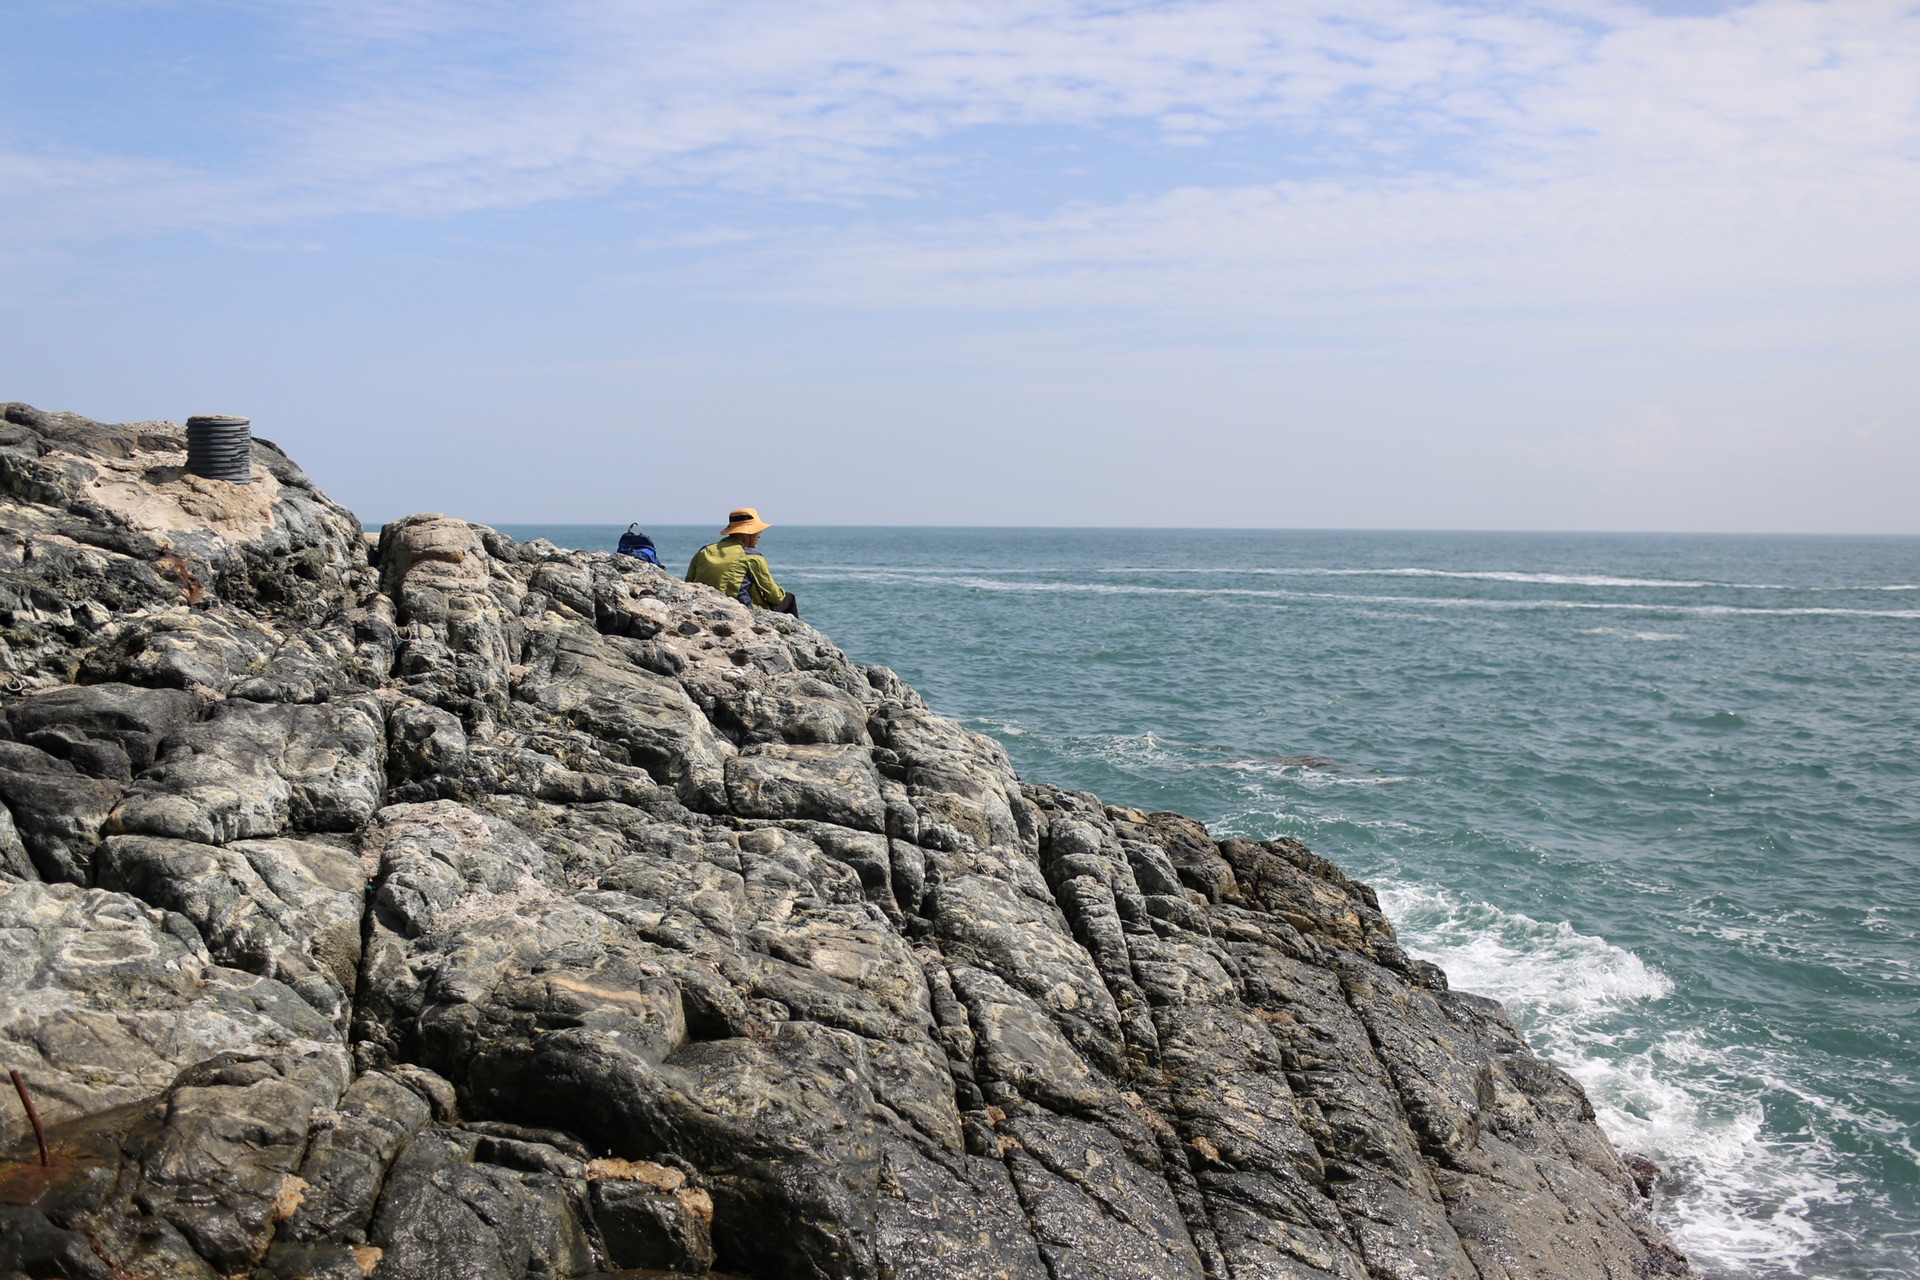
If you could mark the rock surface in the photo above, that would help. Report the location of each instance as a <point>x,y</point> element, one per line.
<point>448,907</point>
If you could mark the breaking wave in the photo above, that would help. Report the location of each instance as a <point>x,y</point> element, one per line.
<point>1734,1195</point>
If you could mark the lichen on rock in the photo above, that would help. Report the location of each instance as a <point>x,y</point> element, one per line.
<point>437,905</point>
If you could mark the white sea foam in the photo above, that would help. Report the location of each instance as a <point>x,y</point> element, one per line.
<point>1127,750</point>
<point>1504,575</point>
<point>1514,575</point>
<point>956,573</point>
<point>1632,635</point>
<point>1736,1196</point>
<point>980,582</point>
<point>1413,571</point>
<point>1304,772</point>
<point>1548,972</point>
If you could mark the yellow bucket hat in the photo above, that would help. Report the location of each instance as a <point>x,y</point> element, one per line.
<point>744,520</point>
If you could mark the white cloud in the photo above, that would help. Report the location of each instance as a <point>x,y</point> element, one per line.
<point>1469,154</point>
<point>1761,153</point>
<point>437,107</point>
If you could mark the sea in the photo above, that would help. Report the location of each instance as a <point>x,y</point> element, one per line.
<point>1659,794</point>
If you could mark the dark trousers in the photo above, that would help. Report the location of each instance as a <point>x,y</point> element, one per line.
<point>790,605</point>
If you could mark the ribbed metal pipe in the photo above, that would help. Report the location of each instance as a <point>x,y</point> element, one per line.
<point>220,447</point>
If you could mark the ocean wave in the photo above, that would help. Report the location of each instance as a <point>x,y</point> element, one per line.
<point>1544,971</point>
<point>1302,770</point>
<point>1633,635</point>
<point>977,582</point>
<point>1406,571</point>
<point>1513,575</point>
<point>1124,750</point>
<point>1150,751</point>
<point>1573,579</point>
<point>1410,571</point>
<point>1734,1195</point>
<point>1758,1179</point>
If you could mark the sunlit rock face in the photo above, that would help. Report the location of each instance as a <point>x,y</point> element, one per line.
<point>436,906</point>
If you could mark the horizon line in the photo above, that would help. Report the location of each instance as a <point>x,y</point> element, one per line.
<point>1200,528</point>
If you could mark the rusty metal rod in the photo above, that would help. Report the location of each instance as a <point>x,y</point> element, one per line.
<point>39,1134</point>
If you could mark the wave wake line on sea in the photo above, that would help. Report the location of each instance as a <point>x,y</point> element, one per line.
<point>1408,571</point>
<point>978,583</point>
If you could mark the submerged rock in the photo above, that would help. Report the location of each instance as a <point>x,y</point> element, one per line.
<point>451,907</point>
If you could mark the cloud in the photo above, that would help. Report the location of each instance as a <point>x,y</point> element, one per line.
<point>1418,153</point>
<point>1762,157</point>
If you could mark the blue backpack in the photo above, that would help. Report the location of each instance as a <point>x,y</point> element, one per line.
<point>638,545</point>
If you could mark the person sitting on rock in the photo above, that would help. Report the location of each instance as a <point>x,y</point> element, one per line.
<point>733,567</point>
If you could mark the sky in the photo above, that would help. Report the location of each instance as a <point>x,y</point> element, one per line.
<point>1365,264</point>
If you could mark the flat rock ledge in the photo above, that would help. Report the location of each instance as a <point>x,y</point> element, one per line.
<point>437,907</point>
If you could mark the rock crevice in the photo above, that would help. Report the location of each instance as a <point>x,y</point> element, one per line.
<point>434,905</point>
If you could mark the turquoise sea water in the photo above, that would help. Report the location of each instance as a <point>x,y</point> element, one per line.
<point>1660,794</point>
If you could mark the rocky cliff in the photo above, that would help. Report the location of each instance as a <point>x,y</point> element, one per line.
<point>434,906</point>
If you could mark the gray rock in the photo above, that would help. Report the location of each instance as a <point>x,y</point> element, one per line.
<point>1096,1211</point>
<point>56,811</point>
<point>32,1246</point>
<point>260,769</point>
<point>347,1159</point>
<point>831,784</point>
<point>183,648</point>
<point>449,907</point>
<point>631,714</point>
<point>425,741</point>
<point>220,1167</point>
<point>788,708</point>
<point>648,1216</point>
<point>448,1218</point>
<point>104,1001</point>
<point>289,1261</point>
<point>14,859</point>
<point>284,909</point>
<point>130,718</point>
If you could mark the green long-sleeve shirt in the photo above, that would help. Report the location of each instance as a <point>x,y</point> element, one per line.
<point>728,567</point>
